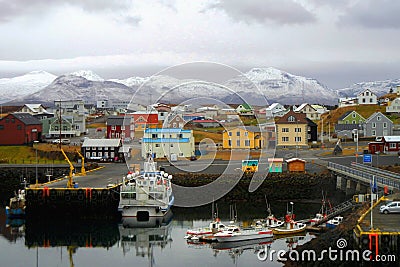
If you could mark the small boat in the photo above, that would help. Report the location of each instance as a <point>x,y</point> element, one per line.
<point>318,218</point>
<point>290,225</point>
<point>16,208</point>
<point>290,228</point>
<point>270,222</point>
<point>147,193</point>
<point>332,223</point>
<point>205,232</point>
<point>235,233</point>
<point>322,214</point>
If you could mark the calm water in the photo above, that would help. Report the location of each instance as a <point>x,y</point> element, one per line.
<point>50,242</point>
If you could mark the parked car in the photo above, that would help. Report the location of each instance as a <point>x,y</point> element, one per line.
<point>127,140</point>
<point>391,207</point>
<point>65,141</point>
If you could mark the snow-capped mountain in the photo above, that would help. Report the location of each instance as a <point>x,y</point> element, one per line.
<point>378,87</point>
<point>88,75</point>
<point>257,86</point>
<point>76,87</point>
<point>12,88</point>
<point>279,86</point>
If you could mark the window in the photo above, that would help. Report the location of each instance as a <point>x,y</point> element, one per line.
<point>154,136</point>
<point>113,127</point>
<point>246,133</point>
<point>384,125</point>
<point>106,148</point>
<point>19,127</point>
<point>100,154</point>
<point>297,130</point>
<point>230,133</point>
<point>123,127</point>
<point>94,148</point>
<point>354,122</point>
<point>229,142</point>
<point>237,133</point>
<point>180,135</point>
<point>373,125</point>
<point>174,125</point>
<point>237,142</point>
<point>392,145</point>
<point>246,142</point>
<point>1,127</point>
<point>378,118</point>
<point>373,133</point>
<point>353,115</point>
<point>285,130</point>
<point>12,120</point>
<point>285,139</point>
<point>181,154</point>
<point>370,100</point>
<point>297,139</point>
<point>291,118</point>
<point>157,145</point>
<point>363,100</point>
<point>93,154</point>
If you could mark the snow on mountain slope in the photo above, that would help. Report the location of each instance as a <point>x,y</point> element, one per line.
<point>11,88</point>
<point>378,87</point>
<point>88,75</point>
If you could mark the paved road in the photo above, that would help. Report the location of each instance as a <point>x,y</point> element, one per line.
<point>112,173</point>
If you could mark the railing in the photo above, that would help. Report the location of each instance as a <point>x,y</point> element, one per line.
<point>340,208</point>
<point>376,170</point>
<point>365,177</point>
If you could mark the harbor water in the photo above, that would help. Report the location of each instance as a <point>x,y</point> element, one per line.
<point>99,242</point>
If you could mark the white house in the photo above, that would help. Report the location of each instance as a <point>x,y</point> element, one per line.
<point>310,112</point>
<point>367,97</point>
<point>394,106</point>
<point>76,110</point>
<point>168,143</point>
<point>347,101</point>
<point>275,110</point>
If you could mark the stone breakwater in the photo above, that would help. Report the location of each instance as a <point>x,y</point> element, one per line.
<point>283,186</point>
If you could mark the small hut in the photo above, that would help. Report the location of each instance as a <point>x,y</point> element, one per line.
<point>275,164</point>
<point>296,165</point>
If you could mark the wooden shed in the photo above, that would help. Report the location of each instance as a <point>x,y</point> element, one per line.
<point>296,165</point>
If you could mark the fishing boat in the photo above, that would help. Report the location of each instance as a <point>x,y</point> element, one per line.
<point>235,233</point>
<point>290,226</point>
<point>322,214</point>
<point>205,232</point>
<point>270,222</point>
<point>145,194</point>
<point>332,223</point>
<point>16,208</point>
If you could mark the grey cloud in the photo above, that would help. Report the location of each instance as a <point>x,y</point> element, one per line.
<point>281,12</point>
<point>16,8</point>
<point>373,14</point>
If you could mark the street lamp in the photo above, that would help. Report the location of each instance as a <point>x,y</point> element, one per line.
<point>377,158</point>
<point>291,203</point>
<point>355,132</point>
<point>36,162</point>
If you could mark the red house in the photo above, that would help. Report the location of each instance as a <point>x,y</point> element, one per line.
<point>144,120</point>
<point>385,144</point>
<point>120,127</point>
<point>19,129</point>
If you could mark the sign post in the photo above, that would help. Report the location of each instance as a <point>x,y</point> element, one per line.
<point>367,158</point>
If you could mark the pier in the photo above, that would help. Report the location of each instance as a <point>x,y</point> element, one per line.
<point>378,232</point>
<point>94,194</point>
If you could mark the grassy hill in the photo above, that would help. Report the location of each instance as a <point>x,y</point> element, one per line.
<point>331,118</point>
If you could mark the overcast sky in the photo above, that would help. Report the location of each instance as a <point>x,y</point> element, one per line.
<point>338,42</point>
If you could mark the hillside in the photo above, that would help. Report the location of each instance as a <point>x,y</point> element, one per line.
<point>331,118</point>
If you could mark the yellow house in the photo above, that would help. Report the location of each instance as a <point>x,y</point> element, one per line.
<point>244,137</point>
<point>292,130</point>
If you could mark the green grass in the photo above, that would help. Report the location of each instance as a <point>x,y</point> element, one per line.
<point>23,155</point>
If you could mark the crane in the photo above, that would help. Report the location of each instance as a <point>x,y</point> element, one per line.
<point>71,168</point>
<point>83,171</point>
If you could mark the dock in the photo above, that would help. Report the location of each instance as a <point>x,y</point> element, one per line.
<point>381,234</point>
<point>95,194</point>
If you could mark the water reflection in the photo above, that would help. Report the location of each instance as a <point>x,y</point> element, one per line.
<point>144,236</point>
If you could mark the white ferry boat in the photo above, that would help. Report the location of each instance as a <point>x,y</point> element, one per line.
<point>147,193</point>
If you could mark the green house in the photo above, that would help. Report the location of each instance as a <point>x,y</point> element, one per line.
<point>351,117</point>
<point>275,164</point>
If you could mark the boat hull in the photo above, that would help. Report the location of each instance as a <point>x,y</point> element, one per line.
<point>226,237</point>
<point>143,211</point>
<point>288,231</point>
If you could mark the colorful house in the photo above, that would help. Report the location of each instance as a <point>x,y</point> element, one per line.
<point>351,117</point>
<point>378,125</point>
<point>168,143</point>
<point>244,137</point>
<point>292,130</point>
<point>144,120</point>
<point>19,129</point>
<point>385,144</point>
<point>120,127</point>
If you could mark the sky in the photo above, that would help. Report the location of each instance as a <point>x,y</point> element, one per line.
<point>337,42</point>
